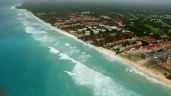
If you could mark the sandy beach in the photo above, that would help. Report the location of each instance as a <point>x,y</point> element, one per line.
<point>152,74</point>
<point>149,73</point>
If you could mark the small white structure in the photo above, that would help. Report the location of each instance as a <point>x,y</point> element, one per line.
<point>79,30</point>
<point>95,31</point>
<point>72,31</point>
<point>98,29</point>
<point>114,28</point>
<point>95,27</point>
<point>90,27</point>
<point>103,30</point>
<point>87,33</point>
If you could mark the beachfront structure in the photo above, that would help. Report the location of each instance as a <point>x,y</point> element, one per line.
<point>158,46</point>
<point>117,37</point>
<point>168,61</point>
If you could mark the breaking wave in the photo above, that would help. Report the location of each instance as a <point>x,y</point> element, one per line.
<point>102,85</point>
<point>42,34</point>
<point>82,75</point>
<point>53,50</point>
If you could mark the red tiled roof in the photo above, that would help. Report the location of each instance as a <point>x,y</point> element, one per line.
<point>151,46</point>
<point>149,39</point>
<point>89,23</point>
<point>166,43</point>
<point>84,18</point>
<point>159,45</point>
<point>130,47</point>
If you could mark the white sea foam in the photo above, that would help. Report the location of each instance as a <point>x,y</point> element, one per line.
<point>101,84</point>
<point>73,47</point>
<point>53,50</point>
<point>30,29</point>
<point>81,56</point>
<point>42,36</point>
<point>35,24</point>
<point>13,7</point>
<point>19,14</point>
<point>84,57</point>
<point>33,31</point>
<point>109,57</point>
<point>134,70</point>
<point>64,56</point>
<point>67,44</point>
<point>72,51</point>
<point>25,23</point>
<point>129,70</point>
<point>70,73</point>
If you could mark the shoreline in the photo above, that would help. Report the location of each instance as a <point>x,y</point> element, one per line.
<point>142,70</point>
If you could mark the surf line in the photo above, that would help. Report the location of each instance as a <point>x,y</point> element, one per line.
<point>99,49</point>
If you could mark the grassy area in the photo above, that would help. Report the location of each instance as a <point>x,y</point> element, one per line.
<point>131,24</point>
<point>153,29</point>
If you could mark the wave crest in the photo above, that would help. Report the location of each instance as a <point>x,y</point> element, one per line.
<point>53,50</point>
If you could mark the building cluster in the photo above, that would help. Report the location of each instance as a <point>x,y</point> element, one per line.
<point>108,32</point>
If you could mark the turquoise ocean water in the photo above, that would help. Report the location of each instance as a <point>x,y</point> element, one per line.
<point>35,60</point>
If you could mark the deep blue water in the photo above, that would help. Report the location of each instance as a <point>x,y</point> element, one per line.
<point>36,60</point>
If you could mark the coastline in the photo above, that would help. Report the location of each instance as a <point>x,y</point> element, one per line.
<point>149,73</point>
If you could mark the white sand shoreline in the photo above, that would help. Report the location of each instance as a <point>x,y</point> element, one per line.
<point>141,70</point>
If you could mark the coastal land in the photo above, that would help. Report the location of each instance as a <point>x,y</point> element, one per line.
<point>133,38</point>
